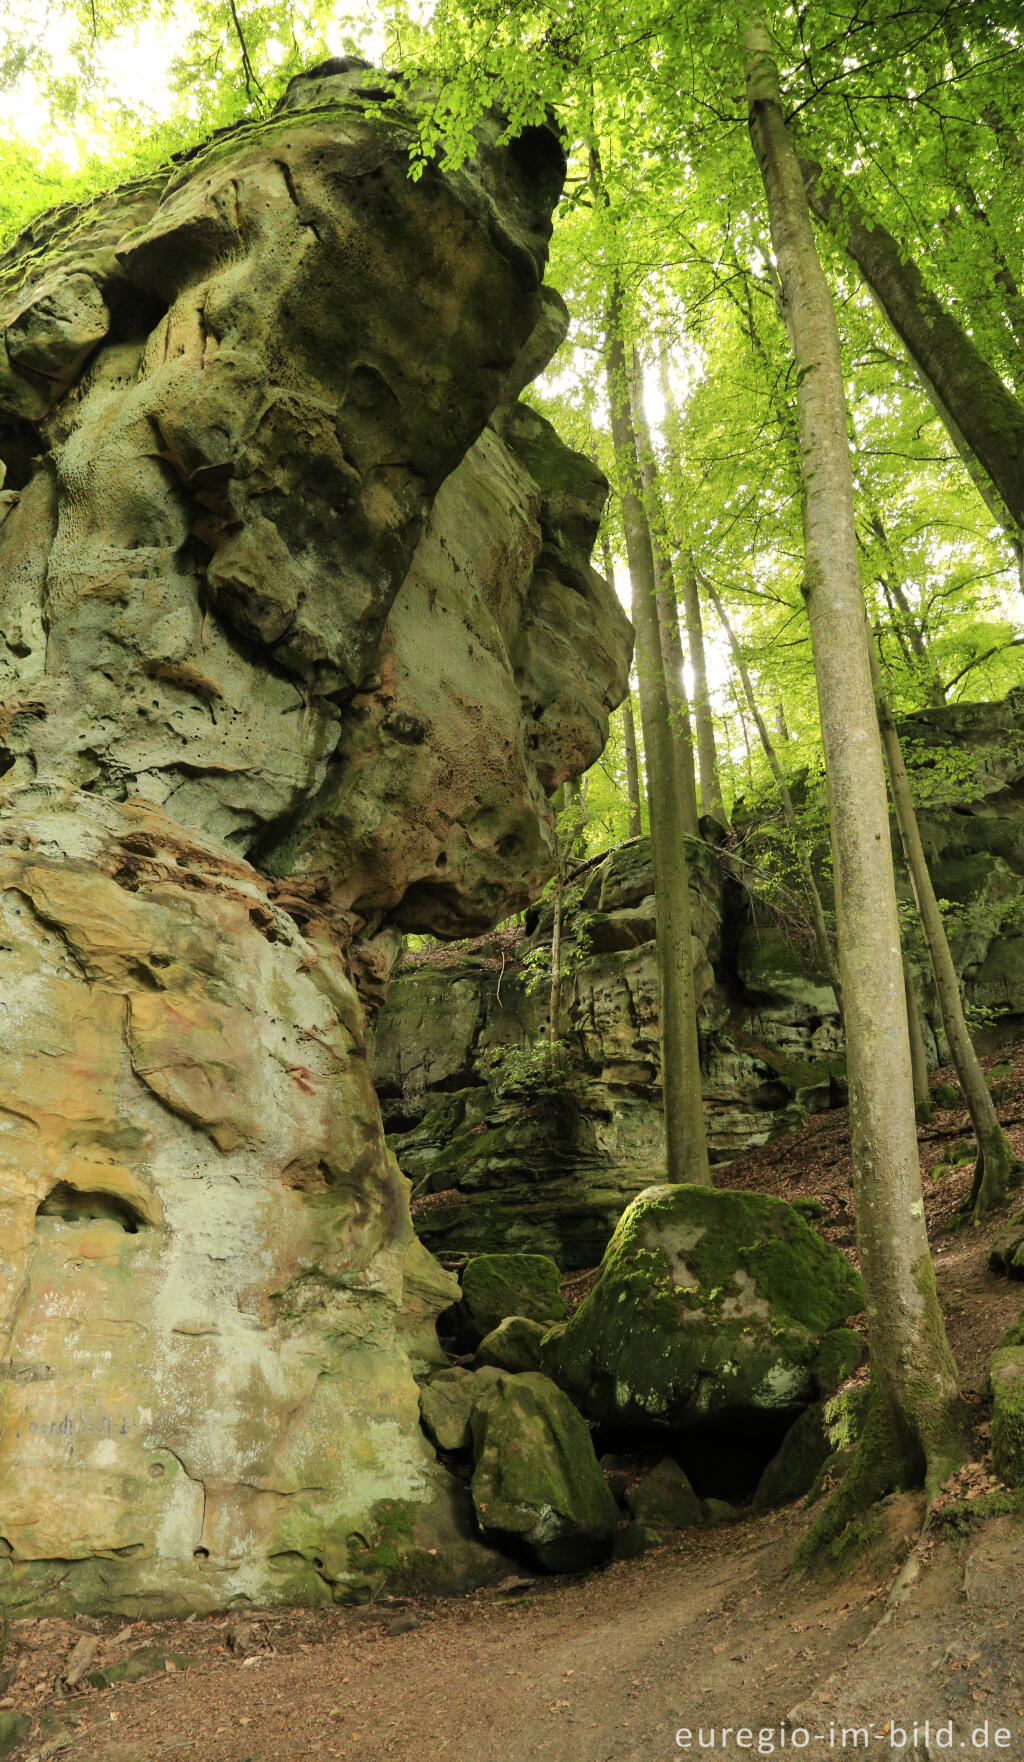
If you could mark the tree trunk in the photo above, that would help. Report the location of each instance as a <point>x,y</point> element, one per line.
<point>686,1144</point>
<point>668,613</point>
<point>995,1158</point>
<point>633,775</point>
<point>918,1054</point>
<point>632,767</point>
<point>914,1426</point>
<point>555,1001</point>
<point>707,756</point>
<point>707,753</point>
<point>984,419</point>
<point>822,941</point>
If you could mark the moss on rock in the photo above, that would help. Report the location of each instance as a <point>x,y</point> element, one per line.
<point>498,1285</point>
<point>537,1482</point>
<point>664,1499</point>
<point>707,1304</point>
<point>1006,1375</point>
<point>514,1345</point>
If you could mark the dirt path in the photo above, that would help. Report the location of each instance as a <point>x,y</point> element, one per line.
<point>708,1632</point>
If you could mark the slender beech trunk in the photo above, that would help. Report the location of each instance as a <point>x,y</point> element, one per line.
<point>668,614</point>
<point>738,701</point>
<point>995,1158</point>
<point>632,767</point>
<point>628,724</point>
<point>918,1054</point>
<point>822,941</point>
<point>707,755</point>
<point>686,1144</point>
<point>707,752</point>
<point>913,1431</point>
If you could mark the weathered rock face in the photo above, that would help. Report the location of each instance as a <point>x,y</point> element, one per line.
<point>504,1153</point>
<point>235,612</point>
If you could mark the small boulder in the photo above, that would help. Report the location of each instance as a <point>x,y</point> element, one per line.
<point>664,1499</point>
<point>1006,1376</point>
<point>14,1727</point>
<point>514,1345</point>
<point>537,1483</point>
<point>634,1539</point>
<point>1006,1256</point>
<point>447,1402</point>
<point>708,1305</point>
<point>718,1511</point>
<point>821,1432</point>
<point>498,1285</point>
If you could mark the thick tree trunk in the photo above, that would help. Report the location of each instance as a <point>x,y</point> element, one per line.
<point>686,1144</point>
<point>914,1429</point>
<point>632,767</point>
<point>995,1158</point>
<point>822,941</point>
<point>985,420</point>
<point>668,613</point>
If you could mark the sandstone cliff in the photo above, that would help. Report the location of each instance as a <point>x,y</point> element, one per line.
<point>299,632</point>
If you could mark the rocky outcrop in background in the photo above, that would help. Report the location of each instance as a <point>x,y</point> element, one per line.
<point>503,1151</point>
<point>299,632</point>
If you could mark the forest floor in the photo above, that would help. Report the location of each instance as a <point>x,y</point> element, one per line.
<point>708,1638</point>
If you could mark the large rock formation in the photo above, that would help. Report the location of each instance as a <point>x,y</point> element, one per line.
<point>504,1152</point>
<point>299,632</point>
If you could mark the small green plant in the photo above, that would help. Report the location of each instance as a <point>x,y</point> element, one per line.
<point>540,1069</point>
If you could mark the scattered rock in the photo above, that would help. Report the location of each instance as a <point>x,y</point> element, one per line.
<point>664,1499</point>
<point>537,1483</point>
<point>447,1402</point>
<point>1006,1377</point>
<point>13,1728</point>
<point>634,1539</point>
<point>514,1345</point>
<point>947,1095</point>
<point>495,1286</point>
<point>718,1511</point>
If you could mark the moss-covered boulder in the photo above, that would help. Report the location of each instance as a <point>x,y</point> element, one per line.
<point>1006,1256</point>
<point>514,1345</point>
<point>1006,1376</point>
<point>498,1285</point>
<point>708,1306</point>
<point>537,1485</point>
<point>664,1499</point>
<point>14,1727</point>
